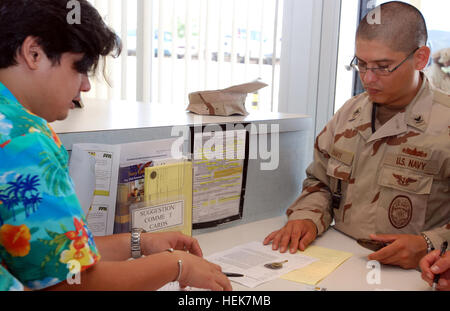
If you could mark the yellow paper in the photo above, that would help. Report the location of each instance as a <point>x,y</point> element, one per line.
<point>167,184</point>
<point>312,274</point>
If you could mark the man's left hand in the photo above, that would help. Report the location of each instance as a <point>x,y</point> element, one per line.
<point>404,250</point>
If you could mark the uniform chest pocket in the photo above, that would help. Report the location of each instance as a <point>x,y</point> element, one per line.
<point>339,170</point>
<point>405,180</point>
<point>403,200</point>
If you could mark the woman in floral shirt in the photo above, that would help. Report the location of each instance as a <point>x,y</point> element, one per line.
<point>44,240</point>
<point>42,227</point>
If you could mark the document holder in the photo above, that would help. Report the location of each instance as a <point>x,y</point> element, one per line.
<point>167,203</point>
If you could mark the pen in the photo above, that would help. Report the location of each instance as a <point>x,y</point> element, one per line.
<point>233,275</point>
<point>437,276</point>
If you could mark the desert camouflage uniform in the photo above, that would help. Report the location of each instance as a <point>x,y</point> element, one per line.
<point>394,181</point>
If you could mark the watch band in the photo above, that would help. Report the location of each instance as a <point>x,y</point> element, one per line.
<point>136,242</point>
<point>430,246</point>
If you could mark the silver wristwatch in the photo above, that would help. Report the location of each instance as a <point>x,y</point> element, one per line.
<point>136,242</point>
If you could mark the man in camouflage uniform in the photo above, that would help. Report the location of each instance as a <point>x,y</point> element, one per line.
<point>381,166</point>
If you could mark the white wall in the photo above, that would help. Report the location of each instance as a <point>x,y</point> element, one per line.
<point>309,58</point>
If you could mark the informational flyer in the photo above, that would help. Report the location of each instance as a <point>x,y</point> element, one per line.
<point>109,160</point>
<point>97,218</point>
<point>219,177</point>
<point>82,171</point>
<point>100,214</point>
<point>134,159</point>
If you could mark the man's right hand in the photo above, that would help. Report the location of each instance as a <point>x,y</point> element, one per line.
<point>300,233</point>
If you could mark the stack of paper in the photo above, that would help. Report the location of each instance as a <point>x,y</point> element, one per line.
<point>249,260</point>
<point>328,261</point>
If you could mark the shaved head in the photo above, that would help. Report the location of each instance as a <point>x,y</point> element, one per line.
<point>401,27</point>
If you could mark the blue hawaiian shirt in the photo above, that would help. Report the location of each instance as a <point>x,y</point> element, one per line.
<point>44,238</point>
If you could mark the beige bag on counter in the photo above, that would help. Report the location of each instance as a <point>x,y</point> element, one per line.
<point>224,102</point>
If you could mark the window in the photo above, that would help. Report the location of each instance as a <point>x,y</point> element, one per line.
<point>195,45</point>
<point>344,78</point>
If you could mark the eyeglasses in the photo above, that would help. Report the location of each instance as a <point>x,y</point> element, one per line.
<point>379,71</point>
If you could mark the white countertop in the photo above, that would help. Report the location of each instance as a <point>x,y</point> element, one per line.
<point>100,115</point>
<point>350,276</point>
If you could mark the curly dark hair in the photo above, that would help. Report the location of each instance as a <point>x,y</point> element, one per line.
<point>47,20</point>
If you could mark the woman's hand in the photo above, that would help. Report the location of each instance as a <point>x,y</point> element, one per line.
<point>153,243</point>
<point>200,273</point>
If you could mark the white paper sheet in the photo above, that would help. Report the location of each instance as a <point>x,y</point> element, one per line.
<point>249,259</point>
<point>82,171</point>
<point>100,215</point>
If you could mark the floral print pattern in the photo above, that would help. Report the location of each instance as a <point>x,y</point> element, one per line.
<point>42,226</point>
<point>15,239</point>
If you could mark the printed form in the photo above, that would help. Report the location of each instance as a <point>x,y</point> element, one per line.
<point>218,175</point>
<point>249,259</point>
